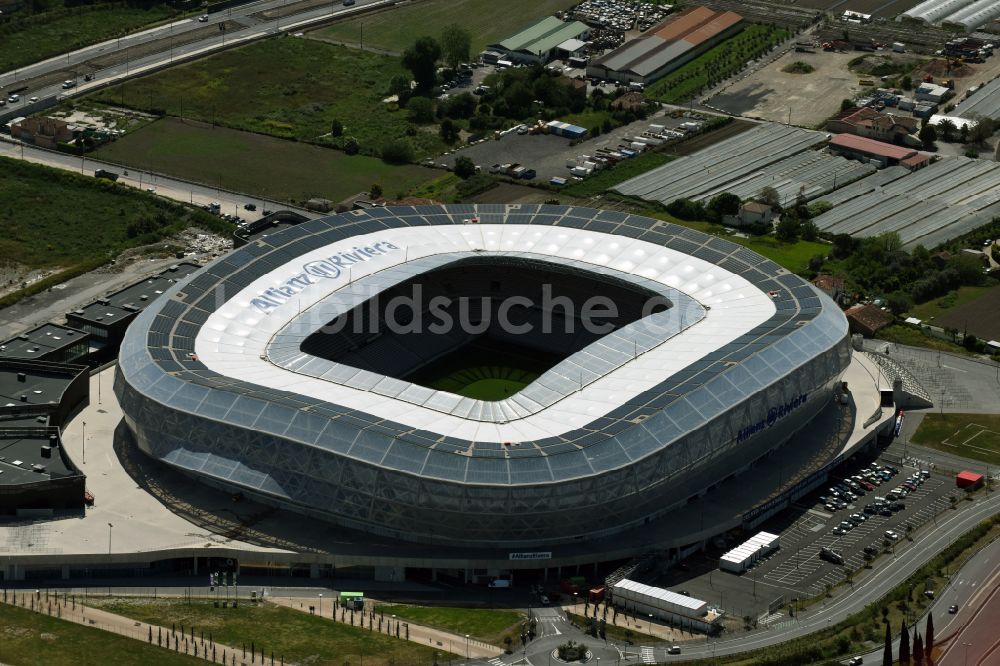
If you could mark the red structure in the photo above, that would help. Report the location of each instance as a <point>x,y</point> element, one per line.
<point>969,480</point>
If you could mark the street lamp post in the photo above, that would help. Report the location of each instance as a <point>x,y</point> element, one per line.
<point>109,537</point>
<point>321,604</point>
<point>83,440</point>
<point>967,646</point>
<point>467,646</point>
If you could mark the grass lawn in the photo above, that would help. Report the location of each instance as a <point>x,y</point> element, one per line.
<point>954,299</point>
<point>907,335</point>
<point>257,164</point>
<point>975,436</point>
<point>624,170</point>
<point>29,39</point>
<point>716,64</point>
<point>286,87</point>
<point>487,22</point>
<point>487,625</point>
<point>55,218</point>
<point>28,638</point>
<point>297,636</point>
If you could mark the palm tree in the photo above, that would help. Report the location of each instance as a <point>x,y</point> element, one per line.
<point>948,129</point>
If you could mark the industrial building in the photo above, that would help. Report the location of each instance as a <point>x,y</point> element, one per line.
<point>944,200</point>
<point>985,102</point>
<point>235,379</point>
<point>768,155</point>
<point>667,46</point>
<point>676,609</point>
<point>540,42</point>
<point>49,342</point>
<point>41,388</point>
<point>37,478</point>
<point>964,14</point>
<point>877,152</point>
<point>106,319</point>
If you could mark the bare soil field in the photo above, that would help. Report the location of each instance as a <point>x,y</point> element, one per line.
<point>981,316</point>
<point>770,94</point>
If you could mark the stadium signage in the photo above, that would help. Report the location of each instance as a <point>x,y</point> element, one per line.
<point>531,556</point>
<point>774,414</point>
<point>330,268</point>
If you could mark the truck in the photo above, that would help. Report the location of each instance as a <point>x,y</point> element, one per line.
<point>899,47</point>
<point>104,173</point>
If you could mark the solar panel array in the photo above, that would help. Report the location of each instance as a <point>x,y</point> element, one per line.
<point>928,207</point>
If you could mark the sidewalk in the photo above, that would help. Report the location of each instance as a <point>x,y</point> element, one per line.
<point>415,633</point>
<point>641,625</point>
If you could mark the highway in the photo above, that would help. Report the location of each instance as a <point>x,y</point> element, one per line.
<point>143,52</point>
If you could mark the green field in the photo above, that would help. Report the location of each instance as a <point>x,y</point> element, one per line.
<point>975,436</point>
<point>257,164</point>
<point>716,64</point>
<point>28,639</point>
<point>954,299</point>
<point>908,335</point>
<point>488,382</point>
<point>487,625</point>
<point>54,218</point>
<point>285,87</point>
<point>298,637</point>
<point>487,22</point>
<point>29,39</point>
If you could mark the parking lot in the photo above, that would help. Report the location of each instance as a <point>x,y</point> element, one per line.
<point>547,154</point>
<point>796,570</point>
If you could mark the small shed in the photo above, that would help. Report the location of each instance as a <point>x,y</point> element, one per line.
<point>969,480</point>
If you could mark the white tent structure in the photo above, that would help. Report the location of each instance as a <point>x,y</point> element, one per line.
<point>740,559</point>
<point>645,600</point>
<point>974,15</point>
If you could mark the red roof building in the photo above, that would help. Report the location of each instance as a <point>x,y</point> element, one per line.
<point>867,319</point>
<point>885,154</point>
<point>968,480</point>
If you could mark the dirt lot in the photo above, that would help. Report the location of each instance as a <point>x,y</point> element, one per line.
<point>769,93</point>
<point>982,316</point>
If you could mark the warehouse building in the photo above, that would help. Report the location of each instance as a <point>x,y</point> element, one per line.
<point>877,152</point>
<point>677,609</point>
<point>540,42</point>
<point>667,46</point>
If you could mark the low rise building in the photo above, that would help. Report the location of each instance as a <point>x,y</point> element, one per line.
<point>874,124</point>
<point>830,285</point>
<point>42,131</point>
<point>540,42</point>
<point>879,153</point>
<point>931,92</point>
<point>677,609</point>
<point>868,319</point>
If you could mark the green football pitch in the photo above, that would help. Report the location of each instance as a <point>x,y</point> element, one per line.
<point>488,382</point>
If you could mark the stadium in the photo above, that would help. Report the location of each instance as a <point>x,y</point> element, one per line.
<point>433,373</point>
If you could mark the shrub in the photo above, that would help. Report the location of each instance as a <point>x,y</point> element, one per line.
<point>397,151</point>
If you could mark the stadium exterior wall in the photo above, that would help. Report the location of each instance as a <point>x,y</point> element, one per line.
<point>381,500</point>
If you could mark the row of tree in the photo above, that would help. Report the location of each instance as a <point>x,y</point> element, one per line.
<point>919,654</point>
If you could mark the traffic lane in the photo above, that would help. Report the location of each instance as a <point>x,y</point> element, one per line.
<point>967,590</point>
<point>978,641</point>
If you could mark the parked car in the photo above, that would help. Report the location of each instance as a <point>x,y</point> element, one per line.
<point>203,18</point>
<point>856,661</point>
<point>249,206</point>
<point>871,550</point>
<point>892,536</point>
<point>674,649</point>
<point>544,600</point>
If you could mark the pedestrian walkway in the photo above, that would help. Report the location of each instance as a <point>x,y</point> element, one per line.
<point>640,625</point>
<point>415,633</point>
<point>646,654</point>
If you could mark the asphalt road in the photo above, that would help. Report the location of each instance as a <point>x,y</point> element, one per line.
<point>171,42</point>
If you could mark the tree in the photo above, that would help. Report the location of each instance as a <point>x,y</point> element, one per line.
<point>843,246</point>
<point>904,646</point>
<point>351,146</point>
<point>918,649</point>
<point>464,167</point>
<point>725,203</point>
<point>981,130</point>
<point>887,650</point>
<point>449,131</point>
<point>927,136</point>
<point>455,45</point>
<point>809,231</point>
<point>375,191</point>
<point>397,151</point>
<point>929,643</point>
<point>846,104</point>
<point>421,59</point>
<point>770,196</point>
<point>906,83</point>
<point>947,129</point>
<point>899,302</point>
<point>421,109</point>
<point>963,133</point>
<point>336,127</point>
<point>787,230</point>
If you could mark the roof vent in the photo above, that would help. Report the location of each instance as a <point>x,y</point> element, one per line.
<point>46,451</point>
<point>21,377</point>
<point>38,468</point>
<point>24,398</point>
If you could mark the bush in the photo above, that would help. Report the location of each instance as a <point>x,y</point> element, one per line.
<point>421,110</point>
<point>686,209</point>
<point>336,128</point>
<point>474,185</point>
<point>351,146</point>
<point>397,151</point>
<point>464,167</point>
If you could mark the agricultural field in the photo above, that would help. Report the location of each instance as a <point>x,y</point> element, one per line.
<point>257,164</point>
<point>288,88</point>
<point>27,638</point>
<point>716,64</point>
<point>299,637</point>
<point>487,22</point>
<point>29,39</point>
<point>975,436</point>
<point>979,315</point>
<point>938,307</point>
